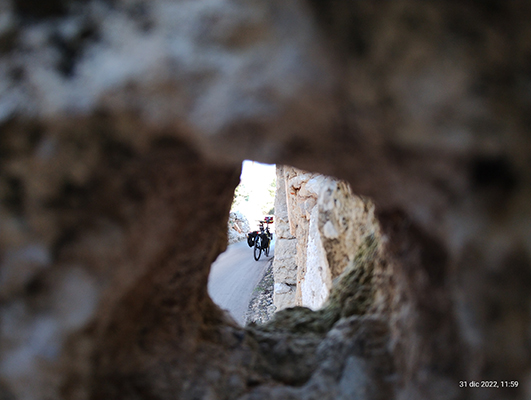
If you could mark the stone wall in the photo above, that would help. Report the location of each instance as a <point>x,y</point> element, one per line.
<point>284,265</point>
<point>327,225</point>
<point>298,191</point>
<point>123,126</point>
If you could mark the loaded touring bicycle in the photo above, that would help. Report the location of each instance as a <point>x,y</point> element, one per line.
<point>261,239</point>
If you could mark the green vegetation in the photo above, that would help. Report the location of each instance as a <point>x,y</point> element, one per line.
<point>241,195</point>
<point>269,206</point>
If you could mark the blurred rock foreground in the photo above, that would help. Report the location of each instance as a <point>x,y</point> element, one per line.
<point>123,126</point>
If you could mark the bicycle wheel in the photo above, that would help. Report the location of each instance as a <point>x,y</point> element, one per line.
<point>257,248</point>
<point>266,250</point>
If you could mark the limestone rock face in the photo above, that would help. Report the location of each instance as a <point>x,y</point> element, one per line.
<point>284,262</point>
<point>293,205</point>
<point>302,192</point>
<point>238,227</point>
<point>122,128</point>
<point>344,222</point>
<point>329,223</point>
<point>284,265</point>
<point>317,281</point>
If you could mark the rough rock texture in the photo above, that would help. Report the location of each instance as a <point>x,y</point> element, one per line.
<point>238,227</point>
<point>122,127</point>
<point>317,281</point>
<point>327,224</point>
<point>124,257</point>
<point>301,191</point>
<point>344,222</point>
<point>284,265</point>
<point>340,351</point>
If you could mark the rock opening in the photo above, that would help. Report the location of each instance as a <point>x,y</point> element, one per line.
<point>123,127</point>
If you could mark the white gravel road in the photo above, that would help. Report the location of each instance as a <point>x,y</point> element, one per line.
<point>233,277</point>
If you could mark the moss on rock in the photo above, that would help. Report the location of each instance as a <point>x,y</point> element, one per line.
<point>353,292</point>
<point>288,342</point>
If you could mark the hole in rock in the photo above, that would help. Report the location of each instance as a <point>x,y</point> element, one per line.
<point>243,273</point>
<point>323,238</point>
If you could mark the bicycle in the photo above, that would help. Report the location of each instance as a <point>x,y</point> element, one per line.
<point>261,240</point>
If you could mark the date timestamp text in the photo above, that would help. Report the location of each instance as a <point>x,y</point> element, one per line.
<point>488,384</point>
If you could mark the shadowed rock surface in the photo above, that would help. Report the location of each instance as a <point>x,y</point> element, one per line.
<point>123,125</point>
